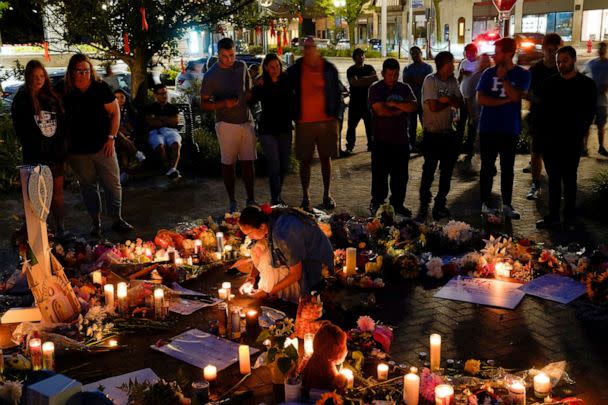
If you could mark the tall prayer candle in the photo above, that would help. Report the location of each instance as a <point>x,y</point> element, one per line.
<point>121,296</point>
<point>350,379</point>
<point>48,356</point>
<point>235,323</point>
<point>252,319</point>
<point>198,245</point>
<point>411,389</point>
<point>226,285</point>
<point>351,260</point>
<point>108,292</point>
<point>244,361</point>
<point>96,275</point>
<point>542,385</point>
<point>517,392</point>
<point>444,394</point>
<point>159,303</point>
<point>308,344</point>
<point>435,352</point>
<point>382,372</point>
<point>210,373</point>
<point>219,238</point>
<point>35,346</point>
<point>222,294</point>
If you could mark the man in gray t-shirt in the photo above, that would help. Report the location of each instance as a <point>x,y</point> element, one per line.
<point>441,103</point>
<point>226,89</point>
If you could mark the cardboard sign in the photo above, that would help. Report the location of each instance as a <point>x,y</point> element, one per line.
<point>554,287</point>
<point>483,291</point>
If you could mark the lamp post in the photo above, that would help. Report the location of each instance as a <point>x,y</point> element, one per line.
<point>264,4</point>
<point>339,4</point>
<point>383,34</point>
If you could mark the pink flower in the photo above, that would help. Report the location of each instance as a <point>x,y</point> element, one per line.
<point>384,336</point>
<point>428,382</point>
<point>366,324</point>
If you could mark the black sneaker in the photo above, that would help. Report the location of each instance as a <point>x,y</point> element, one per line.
<point>548,222</point>
<point>440,212</point>
<point>602,151</point>
<point>122,226</point>
<point>401,210</point>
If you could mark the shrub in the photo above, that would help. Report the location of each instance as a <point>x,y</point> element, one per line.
<point>10,155</point>
<point>168,76</point>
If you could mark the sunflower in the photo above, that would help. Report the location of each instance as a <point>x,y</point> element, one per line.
<point>330,398</point>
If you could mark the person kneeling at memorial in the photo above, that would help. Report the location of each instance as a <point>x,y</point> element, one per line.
<point>295,241</point>
<point>165,140</point>
<point>330,349</point>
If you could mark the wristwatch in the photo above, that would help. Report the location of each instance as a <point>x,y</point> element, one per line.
<point>112,137</point>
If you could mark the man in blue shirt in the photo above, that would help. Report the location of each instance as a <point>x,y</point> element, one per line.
<point>597,69</point>
<point>414,75</point>
<point>499,93</point>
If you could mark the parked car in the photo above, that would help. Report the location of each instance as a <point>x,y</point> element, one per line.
<point>485,41</point>
<point>529,47</point>
<point>375,44</point>
<point>343,44</point>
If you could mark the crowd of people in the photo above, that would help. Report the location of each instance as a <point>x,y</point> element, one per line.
<point>86,123</point>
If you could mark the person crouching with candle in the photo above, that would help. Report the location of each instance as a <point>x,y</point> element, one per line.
<point>320,372</point>
<point>295,241</point>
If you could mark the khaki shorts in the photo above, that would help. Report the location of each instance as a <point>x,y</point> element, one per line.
<point>237,141</point>
<point>323,135</point>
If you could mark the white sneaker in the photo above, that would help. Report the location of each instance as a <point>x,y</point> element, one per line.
<point>173,173</point>
<point>140,156</point>
<point>486,210</point>
<point>510,212</point>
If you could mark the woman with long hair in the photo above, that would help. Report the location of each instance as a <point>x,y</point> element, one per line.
<point>295,241</point>
<point>93,120</point>
<point>125,141</point>
<point>37,116</point>
<point>275,126</point>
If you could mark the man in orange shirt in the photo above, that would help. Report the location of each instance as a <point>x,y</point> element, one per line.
<point>315,84</point>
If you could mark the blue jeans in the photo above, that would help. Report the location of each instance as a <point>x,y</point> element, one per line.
<point>277,148</point>
<point>90,169</point>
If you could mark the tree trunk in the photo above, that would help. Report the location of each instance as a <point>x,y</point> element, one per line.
<point>139,83</point>
<point>351,33</point>
<point>439,37</point>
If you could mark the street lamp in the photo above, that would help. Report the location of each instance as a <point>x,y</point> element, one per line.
<point>264,4</point>
<point>339,4</point>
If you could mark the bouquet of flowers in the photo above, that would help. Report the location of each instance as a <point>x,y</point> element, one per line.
<point>282,355</point>
<point>369,335</point>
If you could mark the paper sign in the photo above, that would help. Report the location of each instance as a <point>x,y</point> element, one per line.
<point>495,293</point>
<point>555,288</point>
<point>199,349</point>
<point>178,289</point>
<point>111,386</point>
<point>183,306</point>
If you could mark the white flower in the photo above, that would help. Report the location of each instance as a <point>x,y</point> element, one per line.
<point>457,231</point>
<point>433,267</point>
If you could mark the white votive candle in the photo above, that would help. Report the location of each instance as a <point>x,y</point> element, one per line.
<point>351,260</point>
<point>411,389</point>
<point>210,373</point>
<point>542,385</point>
<point>159,303</point>
<point>226,285</point>
<point>108,293</point>
<point>244,361</point>
<point>308,344</point>
<point>219,238</point>
<point>35,348</point>
<point>222,294</point>
<point>112,343</point>
<point>444,394</point>
<point>517,392</point>
<point>382,372</point>
<point>121,296</point>
<point>350,378</point>
<point>435,351</point>
<point>198,245</point>
<point>96,275</point>
<point>48,356</point>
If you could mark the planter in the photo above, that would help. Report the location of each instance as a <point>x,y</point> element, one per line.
<point>293,392</point>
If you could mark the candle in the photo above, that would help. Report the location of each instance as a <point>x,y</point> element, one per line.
<point>345,270</point>
<point>159,303</point>
<point>350,379</point>
<point>148,252</point>
<point>411,388</point>
<point>267,343</point>
<point>121,296</point>
<point>218,256</point>
<point>112,343</point>
<point>198,245</point>
<point>189,261</point>
<point>542,385</point>
<point>179,261</point>
<point>226,285</point>
<point>235,323</point>
<point>351,260</point>
<point>444,394</point>
<point>48,356</point>
<point>222,293</point>
<point>35,345</point>
<point>503,269</point>
<point>435,351</point>
<point>108,292</point>
<point>252,319</point>
<point>219,238</point>
<point>517,392</point>
<point>308,344</point>
<point>210,373</point>
<point>96,275</point>
<point>228,252</point>
<point>244,363</point>
<point>382,372</point>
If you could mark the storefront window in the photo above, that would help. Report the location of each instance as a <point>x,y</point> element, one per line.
<point>560,23</point>
<point>595,25</point>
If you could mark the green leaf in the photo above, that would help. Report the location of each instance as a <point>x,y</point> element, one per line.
<point>262,336</point>
<point>291,352</point>
<point>272,353</point>
<point>284,364</point>
<point>358,359</point>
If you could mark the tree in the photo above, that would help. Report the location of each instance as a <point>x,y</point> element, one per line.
<point>439,37</point>
<point>351,11</point>
<point>134,31</point>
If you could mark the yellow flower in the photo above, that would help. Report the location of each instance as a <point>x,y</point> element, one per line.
<point>472,366</point>
<point>330,398</point>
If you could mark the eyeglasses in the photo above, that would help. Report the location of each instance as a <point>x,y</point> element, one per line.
<point>83,71</point>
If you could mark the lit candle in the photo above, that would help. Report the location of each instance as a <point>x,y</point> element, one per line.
<point>121,296</point>
<point>179,261</point>
<point>542,385</point>
<point>222,293</point>
<point>382,372</point>
<point>252,319</point>
<point>350,379</point>
<point>244,361</point>
<point>235,323</point>
<point>351,260</point>
<point>148,252</point>
<point>112,343</point>
<point>517,392</point>
<point>210,373</point>
<point>198,245</point>
<point>228,252</point>
<point>435,352</point>
<point>35,346</point>
<point>218,256</point>
<point>219,238</point>
<point>444,394</point>
<point>48,356</point>
<point>226,285</point>
<point>267,343</point>
<point>189,261</point>
<point>411,388</point>
<point>159,303</point>
<point>108,292</point>
<point>308,344</point>
<point>503,269</point>
<point>345,270</point>
<point>96,275</point>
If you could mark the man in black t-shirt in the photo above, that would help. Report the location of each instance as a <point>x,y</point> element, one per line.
<point>360,77</point>
<point>162,118</point>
